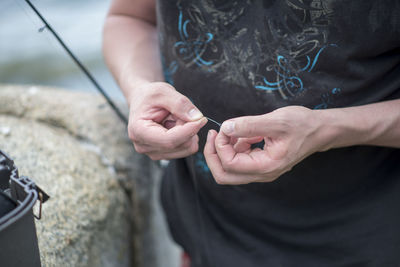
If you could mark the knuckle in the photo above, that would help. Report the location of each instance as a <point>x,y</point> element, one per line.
<point>139,149</point>
<point>155,157</point>
<point>271,172</point>
<point>265,169</point>
<point>182,103</point>
<point>187,145</point>
<point>282,119</point>
<point>174,143</point>
<point>155,92</point>
<point>132,137</point>
<point>169,144</point>
<point>247,127</point>
<point>252,129</point>
<point>158,96</point>
<point>228,165</point>
<point>132,133</point>
<point>194,148</point>
<point>160,86</point>
<point>220,180</point>
<point>182,100</point>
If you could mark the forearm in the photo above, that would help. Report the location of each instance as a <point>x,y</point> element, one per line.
<point>131,52</point>
<point>374,124</point>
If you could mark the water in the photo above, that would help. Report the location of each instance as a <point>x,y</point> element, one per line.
<point>30,57</point>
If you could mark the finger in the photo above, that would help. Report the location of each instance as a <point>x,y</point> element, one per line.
<point>253,163</point>
<point>220,175</point>
<point>214,163</point>
<point>181,106</point>
<point>249,126</point>
<point>147,149</point>
<point>211,156</point>
<point>153,134</point>
<point>168,124</point>
<point>234,140</point>
<point>144,146</point>
<point>171,121</point>
<point>244,144</point>
<point>178,153</point>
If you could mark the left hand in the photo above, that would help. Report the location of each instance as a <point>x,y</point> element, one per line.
<point>290,135</point>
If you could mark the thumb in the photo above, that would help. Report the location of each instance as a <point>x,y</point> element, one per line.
<point>249,126</point>
<point>181,106</point>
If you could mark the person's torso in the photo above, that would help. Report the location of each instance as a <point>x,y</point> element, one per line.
<point>235,58</point>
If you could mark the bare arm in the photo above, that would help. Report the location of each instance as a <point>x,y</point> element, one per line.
<point>293,133</point>
<point>163,123</point>
<point>130,44</point>
<point>375,124</point>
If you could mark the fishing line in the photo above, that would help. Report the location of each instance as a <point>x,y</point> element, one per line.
<point>214,121</point>
<point>78,62</point>
<point>34,21</point>
<point>40,27</point>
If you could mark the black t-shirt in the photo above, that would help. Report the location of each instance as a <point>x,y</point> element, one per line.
<point>235,58</point>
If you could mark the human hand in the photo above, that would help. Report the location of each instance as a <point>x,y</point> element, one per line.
<point>163,123</point>
<point>290,135</point>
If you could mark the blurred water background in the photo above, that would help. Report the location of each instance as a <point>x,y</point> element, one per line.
<point>28,56</point>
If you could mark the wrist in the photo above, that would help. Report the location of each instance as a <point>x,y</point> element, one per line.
<point>341,127</point>
<point>140,89</point>
<point>131,84</point>
<point>328,129</point>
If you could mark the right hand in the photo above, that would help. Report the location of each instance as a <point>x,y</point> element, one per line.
<point>163,124</point>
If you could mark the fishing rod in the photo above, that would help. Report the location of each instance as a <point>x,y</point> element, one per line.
<point>83,68</point>
<point>78,63</point>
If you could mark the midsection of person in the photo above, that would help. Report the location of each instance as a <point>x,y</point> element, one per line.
<point>237,58</point>
<point>317,81</point>
<point>252,57</point>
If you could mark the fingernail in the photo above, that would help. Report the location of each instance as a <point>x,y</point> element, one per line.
<point>195,114</point>
<point>228,126</point>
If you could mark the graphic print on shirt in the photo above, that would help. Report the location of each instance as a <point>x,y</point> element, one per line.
<point>201,164</point>
<point>269,52</point>
<point>191,48</point>
<point>196,45</point>
<point>296,40</point>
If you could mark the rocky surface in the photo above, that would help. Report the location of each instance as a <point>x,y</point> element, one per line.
<point>76,149</point>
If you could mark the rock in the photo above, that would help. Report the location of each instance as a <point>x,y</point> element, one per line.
<point>76,149</point>
<point>5,131</point>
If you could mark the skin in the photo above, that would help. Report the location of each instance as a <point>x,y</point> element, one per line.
<point>293,133</point>
<point>163,124</point>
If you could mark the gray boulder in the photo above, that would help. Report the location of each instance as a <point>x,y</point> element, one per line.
<point>102,193</point>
